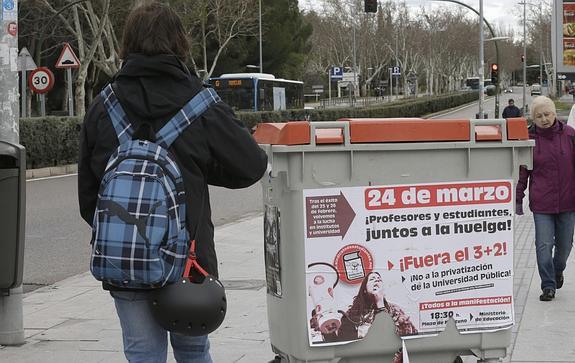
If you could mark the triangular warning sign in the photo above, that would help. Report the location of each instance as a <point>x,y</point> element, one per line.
<point>67,58</point>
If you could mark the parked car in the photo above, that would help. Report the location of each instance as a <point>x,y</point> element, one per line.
<point>535,89</point>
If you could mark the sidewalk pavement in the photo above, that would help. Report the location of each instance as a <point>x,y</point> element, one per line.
<point>74,320</point>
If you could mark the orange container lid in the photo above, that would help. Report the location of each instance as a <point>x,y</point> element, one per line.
<point>517,129</point>
<point>284,133</point>
<point>388,130</point>
<point>407,130</point>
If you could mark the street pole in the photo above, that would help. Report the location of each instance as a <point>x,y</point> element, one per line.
<point>329,82</point>
<point>23,87</point>
<point>483,21</point>
<point>260,18</point>
<point>524,108</point>
<point>11,314</point>
<point>70,92</point>
<point>541,61</point>
<point>397,65</point>
<point>390,85</point>
<point>354,62</point>
<point>497,88</point>
<point>496,84</point>
<point>481,65</point>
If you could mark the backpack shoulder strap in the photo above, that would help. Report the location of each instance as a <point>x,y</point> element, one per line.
<point>186,116</point>
<point>117,115</point>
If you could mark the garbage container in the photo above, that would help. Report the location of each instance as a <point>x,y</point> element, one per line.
<point>383,233</point>
<point>12,214</point>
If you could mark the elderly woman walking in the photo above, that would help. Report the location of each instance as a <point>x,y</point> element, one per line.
<point>551,193</point>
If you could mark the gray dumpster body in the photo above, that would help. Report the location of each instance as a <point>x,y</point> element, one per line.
<point>12,214</point>
<point>342,163</point>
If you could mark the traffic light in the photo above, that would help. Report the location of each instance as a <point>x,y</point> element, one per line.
<point>494,73</point>
<point>370,6</point>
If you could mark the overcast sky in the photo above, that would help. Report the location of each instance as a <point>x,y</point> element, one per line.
<point>506,13</point>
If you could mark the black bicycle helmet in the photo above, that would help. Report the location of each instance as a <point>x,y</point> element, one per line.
<point>192,306</point>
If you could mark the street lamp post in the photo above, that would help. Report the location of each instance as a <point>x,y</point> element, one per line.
<point>260,20</point>
<point>354,63</point>
<point>481,61</point>
<point>524,108</point>
<point>541,61</point>
<point>493,37</point>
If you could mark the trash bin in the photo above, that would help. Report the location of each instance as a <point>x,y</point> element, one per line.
<point>12,214</point>
<point>383,233</point>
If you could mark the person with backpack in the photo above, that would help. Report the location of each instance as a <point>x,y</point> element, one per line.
<point>150,144</point>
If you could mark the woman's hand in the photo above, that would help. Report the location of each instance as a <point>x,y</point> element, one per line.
<point>403,325</point>
<point>519,209</point>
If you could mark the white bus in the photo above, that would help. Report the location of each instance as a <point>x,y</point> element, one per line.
<point>258,92</point>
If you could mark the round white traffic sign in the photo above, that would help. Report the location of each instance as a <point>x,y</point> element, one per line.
<point>41,80</point>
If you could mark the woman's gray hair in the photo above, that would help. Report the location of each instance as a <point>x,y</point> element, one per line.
<point>542,102</point>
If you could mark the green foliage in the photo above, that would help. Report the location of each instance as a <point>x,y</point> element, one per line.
<point>50,141</point>
<point>286,39</point>
<point>404,108</point>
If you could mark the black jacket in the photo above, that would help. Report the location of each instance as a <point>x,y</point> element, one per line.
<point>511,111</point>
<point>216,149</point>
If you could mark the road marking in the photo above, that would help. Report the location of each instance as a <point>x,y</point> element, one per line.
<point>51,177</point>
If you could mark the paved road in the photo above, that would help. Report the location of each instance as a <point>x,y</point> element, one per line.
<point>470,110</point>
<point>57,238</point>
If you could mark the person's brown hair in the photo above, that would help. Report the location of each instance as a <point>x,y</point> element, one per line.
<point>363,303</point>
<point>153,29</point>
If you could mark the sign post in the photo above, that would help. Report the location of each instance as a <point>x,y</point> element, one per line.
<point>396,72</point>
<point>25,63</point>
<point>68,60</point>
<point>390,85</point>
<point>41,81</point>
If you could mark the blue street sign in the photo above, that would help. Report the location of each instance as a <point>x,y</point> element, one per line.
<point>396,71</point>
<point>336,73</point>
<point>9,4</point>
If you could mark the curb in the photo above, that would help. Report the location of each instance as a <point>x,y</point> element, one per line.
<point>51,171</point>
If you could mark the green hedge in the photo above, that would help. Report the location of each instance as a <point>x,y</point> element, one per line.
<point>402,108</point>
<point>53,141</point>
<point>50,141</point>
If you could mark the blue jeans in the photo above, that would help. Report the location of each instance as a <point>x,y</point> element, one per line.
<point>145,341</point>
<point>553,230</point>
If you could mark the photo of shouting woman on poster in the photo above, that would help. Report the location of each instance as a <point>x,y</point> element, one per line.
<point>370,301</point>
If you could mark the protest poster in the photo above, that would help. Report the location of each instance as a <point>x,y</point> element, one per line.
<point>422,253</point>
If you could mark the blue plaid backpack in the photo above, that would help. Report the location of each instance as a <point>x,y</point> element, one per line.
<point>139,235</point>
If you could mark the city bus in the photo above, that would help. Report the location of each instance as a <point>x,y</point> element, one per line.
<point>258,92</point>
<point>472,82</point>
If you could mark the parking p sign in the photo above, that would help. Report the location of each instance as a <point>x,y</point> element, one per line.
<point>336,73</point>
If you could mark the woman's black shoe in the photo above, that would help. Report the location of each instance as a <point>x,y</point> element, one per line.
<point>547,295</point>
<point>559,279</point>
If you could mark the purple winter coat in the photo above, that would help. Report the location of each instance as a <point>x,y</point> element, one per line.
<point>552,180</point>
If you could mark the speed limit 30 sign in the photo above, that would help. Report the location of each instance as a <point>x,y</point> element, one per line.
<point>41,80</point>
